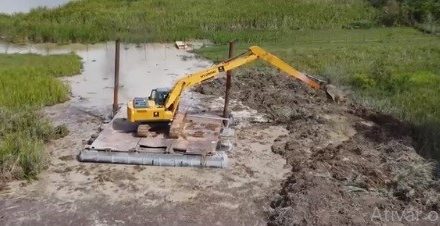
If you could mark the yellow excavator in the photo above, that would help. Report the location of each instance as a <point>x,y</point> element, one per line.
<point>162,104</point>
<point>191,139</point>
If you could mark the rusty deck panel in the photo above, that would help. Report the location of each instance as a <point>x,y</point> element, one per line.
<point>199,135</point>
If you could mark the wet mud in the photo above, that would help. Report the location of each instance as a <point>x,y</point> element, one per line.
<point>347,161</point>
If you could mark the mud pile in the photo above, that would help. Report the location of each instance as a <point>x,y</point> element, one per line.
<point>349,164</point>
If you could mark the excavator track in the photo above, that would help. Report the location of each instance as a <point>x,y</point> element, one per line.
<point>143,130</point>
<point>177,125</point>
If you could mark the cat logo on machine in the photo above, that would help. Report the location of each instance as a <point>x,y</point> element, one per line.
<point>156,114</point>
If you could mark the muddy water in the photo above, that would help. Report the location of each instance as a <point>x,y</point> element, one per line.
<point>143,67</point>
<point>23,6</point>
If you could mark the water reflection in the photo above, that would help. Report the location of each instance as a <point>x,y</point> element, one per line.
<point>143,67</point>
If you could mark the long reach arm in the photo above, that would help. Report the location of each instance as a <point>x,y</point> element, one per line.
<point>252,54</point>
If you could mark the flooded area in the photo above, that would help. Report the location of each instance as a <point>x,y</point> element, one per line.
<point>24,6</point>
<point>143,67</point>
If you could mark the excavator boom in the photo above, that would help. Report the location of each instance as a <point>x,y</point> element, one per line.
<point>252,54</point>
<point>283,66</point>
<point>155,110</point>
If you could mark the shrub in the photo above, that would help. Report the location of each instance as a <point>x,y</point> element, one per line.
<point>22,135</point>
<point>363,81</point>
<point>407,12</point>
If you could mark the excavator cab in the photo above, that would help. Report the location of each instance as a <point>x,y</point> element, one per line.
<point>151,109</point>
<point>159,96</point>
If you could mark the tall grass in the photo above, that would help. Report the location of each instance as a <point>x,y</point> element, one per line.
<point>28,82</point>
<point>170,20</point>
<point>394,70</point>
<point>52,65</point>
<point>22,135</point>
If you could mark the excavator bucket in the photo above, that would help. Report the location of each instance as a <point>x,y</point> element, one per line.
<point>198,141</point>
<point>330,90</point>
<point>334,93</point>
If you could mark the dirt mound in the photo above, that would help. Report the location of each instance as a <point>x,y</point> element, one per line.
<point>273,95</point>
<point>347,161</point>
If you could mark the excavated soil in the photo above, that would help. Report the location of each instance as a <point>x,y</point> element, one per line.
<point>350,165</point>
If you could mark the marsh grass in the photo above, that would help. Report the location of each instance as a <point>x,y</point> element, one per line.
<point>28,82</point>
<point>170,20</point>
<point>393,70</point>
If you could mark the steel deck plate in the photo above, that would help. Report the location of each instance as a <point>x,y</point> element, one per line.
<point>199,135</point>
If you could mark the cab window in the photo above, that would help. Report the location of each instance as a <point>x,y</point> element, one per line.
<point>160,98</point>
